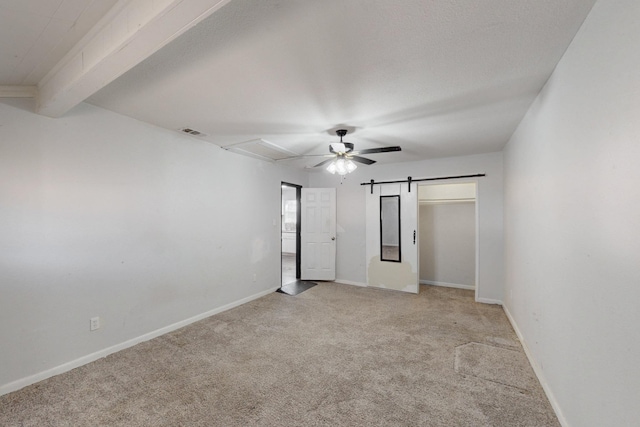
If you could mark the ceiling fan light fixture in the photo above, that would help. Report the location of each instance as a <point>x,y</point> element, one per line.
<point>341,166</point>
<point>351,166</point>
<point>345,158</point>
<point>332,167</point>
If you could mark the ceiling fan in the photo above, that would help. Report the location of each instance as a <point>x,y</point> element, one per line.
<point>343,157</point>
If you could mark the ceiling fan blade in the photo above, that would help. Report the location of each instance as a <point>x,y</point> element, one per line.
<point>378,150</point>
<point>362,160</point>
<point>325,162</point>
<point>337,147</point>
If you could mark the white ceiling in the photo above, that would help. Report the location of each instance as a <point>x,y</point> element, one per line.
<point>438,77</point>
<point>36,34</point>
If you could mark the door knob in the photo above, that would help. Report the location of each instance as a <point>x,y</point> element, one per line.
<point>333,238</point>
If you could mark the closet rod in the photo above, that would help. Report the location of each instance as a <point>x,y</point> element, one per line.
<point>410,180</point>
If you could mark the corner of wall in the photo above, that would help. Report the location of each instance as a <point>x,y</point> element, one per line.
<point>536,369</point>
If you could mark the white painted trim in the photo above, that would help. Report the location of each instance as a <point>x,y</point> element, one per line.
<point>447,285</point>
<point>537,370</point>
<point>350,282</point>
<point>489,301</point>
<point>18,384</point>
<point>11,91</point>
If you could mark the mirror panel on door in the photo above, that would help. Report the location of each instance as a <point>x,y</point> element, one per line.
<point>390,228</point>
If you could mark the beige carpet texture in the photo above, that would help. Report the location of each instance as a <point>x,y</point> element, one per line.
<point>334,355</point>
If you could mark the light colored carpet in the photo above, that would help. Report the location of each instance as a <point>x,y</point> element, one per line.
<point>335,355</point>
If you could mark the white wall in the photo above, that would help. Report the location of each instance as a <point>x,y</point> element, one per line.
<point>572,229</point>
<point>102,215</point>
<point>443,192</point>
<point>351,262</point>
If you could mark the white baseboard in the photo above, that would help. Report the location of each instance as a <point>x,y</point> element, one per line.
<point>350,282</point>
<point>424,282</point>
<point>489,301</point>
<point>23,382</point>
<point>537,370</point>
<point>447,285</point>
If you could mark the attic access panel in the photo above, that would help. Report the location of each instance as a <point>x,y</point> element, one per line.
<point>261,149</point>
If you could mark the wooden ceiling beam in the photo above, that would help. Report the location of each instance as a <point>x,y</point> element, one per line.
<point>128,34</point>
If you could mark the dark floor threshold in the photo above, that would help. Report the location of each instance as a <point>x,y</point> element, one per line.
<point>297,287</point>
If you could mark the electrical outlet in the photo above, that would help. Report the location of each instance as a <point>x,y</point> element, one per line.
<point>95,323</point>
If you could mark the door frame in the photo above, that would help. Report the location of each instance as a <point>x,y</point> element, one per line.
<point>298,227</point>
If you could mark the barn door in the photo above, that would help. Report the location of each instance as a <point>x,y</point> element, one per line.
<point>392,233</point>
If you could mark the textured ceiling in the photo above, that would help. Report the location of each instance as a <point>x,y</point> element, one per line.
<point>438,77</point>
<point>36,34</point>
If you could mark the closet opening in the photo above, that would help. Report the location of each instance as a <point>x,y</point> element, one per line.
<point>448,240</point>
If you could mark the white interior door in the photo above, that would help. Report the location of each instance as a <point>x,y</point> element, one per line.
<point>318,234</point>
<point>402,275</point>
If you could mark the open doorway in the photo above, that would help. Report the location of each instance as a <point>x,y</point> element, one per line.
<point>290,232</point>
<point>447,223</point>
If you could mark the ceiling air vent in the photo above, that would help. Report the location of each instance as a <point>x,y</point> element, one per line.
<point>192,132</point>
